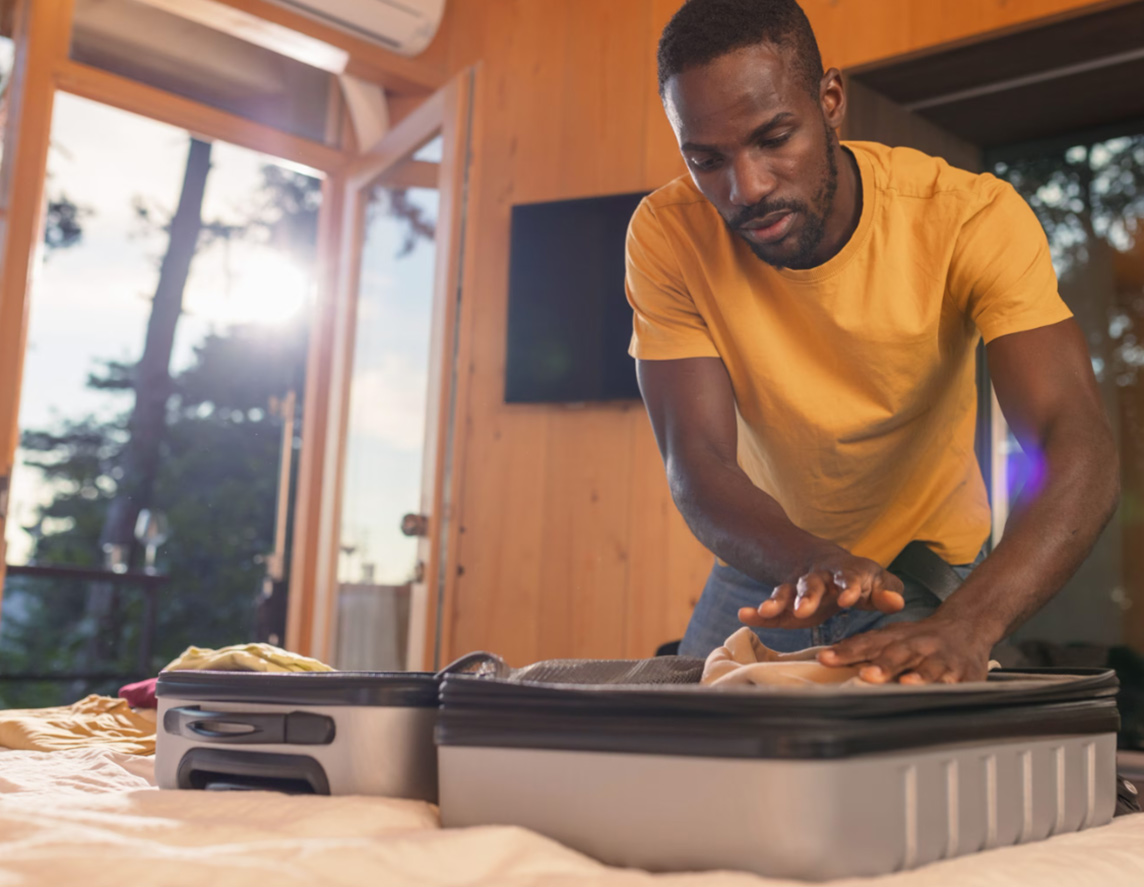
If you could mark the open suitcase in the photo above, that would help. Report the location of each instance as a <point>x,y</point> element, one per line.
<point>814,784</point>
<point>326,733</point>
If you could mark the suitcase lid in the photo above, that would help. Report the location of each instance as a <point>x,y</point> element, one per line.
<point>410,689</point>
<point>774,722</point>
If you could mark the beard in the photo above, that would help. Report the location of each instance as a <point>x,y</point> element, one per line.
<point>814,218</point>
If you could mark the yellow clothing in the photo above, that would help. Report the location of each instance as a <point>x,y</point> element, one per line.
<point>854,380</point>
<point>245,657</point>
<point>93,721</point>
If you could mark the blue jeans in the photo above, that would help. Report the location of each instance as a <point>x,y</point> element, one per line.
<point>716,616</point>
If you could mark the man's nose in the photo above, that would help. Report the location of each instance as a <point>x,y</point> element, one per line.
<point>751,182</point>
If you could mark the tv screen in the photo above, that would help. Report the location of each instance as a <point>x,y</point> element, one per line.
<point>569,323</point>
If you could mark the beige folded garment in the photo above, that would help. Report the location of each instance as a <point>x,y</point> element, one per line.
<point>744,659</point>
<point>245,657</point>
<point>93,721</point>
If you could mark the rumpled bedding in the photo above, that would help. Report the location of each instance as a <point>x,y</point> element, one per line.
<point>92,817</point>
<point>95,721</point>
<point>114,723</point>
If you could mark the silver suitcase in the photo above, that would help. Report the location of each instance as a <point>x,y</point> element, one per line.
<point>336,733</point>
<point>812,784</point>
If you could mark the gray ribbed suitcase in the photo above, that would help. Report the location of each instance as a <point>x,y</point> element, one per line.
<point>333,733</point>
<point>816,784</point>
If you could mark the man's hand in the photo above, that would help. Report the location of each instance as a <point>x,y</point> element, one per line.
<point>832,584</point>
<point>934,650</point>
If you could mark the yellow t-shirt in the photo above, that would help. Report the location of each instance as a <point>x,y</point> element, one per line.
<point>855,380</point>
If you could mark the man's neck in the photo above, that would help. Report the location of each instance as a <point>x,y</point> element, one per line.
<point>847,210</point>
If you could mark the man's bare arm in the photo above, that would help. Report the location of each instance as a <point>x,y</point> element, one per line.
<point>1046,388</point>
<point>692,408</point>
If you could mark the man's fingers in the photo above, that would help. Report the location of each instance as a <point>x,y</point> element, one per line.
<point>880,658</point>
<point>930,671</point>
<point>781,599</point>
<point>928,652</point>
<point>849,652</point>
<point>891,661</point>
<point>880,590</point>
<point>818,594</point>
<point>887,601</point>
<point>884,656</point>
<point>775,607</point>
<point>886,593</point>
<point>811,589</point>
<point>853,586</point>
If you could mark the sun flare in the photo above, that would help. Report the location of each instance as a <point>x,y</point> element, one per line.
<point>261,286</point>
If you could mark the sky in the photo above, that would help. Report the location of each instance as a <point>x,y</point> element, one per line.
<point>91,302</point>
<point>387,406</point>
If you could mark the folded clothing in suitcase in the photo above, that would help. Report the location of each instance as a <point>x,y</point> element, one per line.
<point>813,783</point>
<point>327,733</point>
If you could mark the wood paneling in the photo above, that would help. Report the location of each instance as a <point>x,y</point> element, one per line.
<point>569,544</point>
<point>856,32</point>
<point>504,462</point>
<point>661,159</point>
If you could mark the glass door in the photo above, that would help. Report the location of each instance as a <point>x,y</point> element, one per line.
<point>381,523</point>
<point>385,528</point>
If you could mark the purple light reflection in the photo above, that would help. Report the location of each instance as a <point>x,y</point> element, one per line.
<point>1027,471</point>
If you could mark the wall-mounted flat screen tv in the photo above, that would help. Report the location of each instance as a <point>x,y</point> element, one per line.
<point>569,323</point>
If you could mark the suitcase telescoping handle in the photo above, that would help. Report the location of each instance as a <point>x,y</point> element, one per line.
<point>479,663</point>
<point>234,727</point>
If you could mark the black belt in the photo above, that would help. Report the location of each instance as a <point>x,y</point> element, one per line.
<point>919,562</point>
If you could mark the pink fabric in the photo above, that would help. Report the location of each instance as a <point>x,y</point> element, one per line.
<point>140,694</point>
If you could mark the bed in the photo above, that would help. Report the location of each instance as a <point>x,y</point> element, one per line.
<point>93,816</point>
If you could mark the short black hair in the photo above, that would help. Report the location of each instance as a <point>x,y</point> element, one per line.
<point>703,30</point>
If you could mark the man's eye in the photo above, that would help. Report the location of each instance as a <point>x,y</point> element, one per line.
<point>704,164</point>
<point>775,142</point>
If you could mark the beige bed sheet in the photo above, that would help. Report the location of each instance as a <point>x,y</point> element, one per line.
<point>92,817</point>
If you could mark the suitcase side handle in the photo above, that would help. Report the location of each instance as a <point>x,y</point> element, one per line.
<point>241,728</point>
<point>217,769</point>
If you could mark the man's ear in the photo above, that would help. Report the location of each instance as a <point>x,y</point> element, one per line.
<point>832,98</point>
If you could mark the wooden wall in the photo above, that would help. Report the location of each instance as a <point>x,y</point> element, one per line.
<point>570,544</point>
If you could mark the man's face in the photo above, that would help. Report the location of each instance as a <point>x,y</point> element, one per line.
<point>759,148</point>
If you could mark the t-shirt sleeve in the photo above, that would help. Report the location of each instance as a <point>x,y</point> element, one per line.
<point>665,322</point>
<point>1002,270</point>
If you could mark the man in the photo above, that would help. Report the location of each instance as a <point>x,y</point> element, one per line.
<point>806,315</point>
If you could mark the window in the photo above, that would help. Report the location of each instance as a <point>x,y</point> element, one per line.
<point>82,611</point>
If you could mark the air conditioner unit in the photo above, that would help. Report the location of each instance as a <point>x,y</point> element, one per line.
<point>404,26</point>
